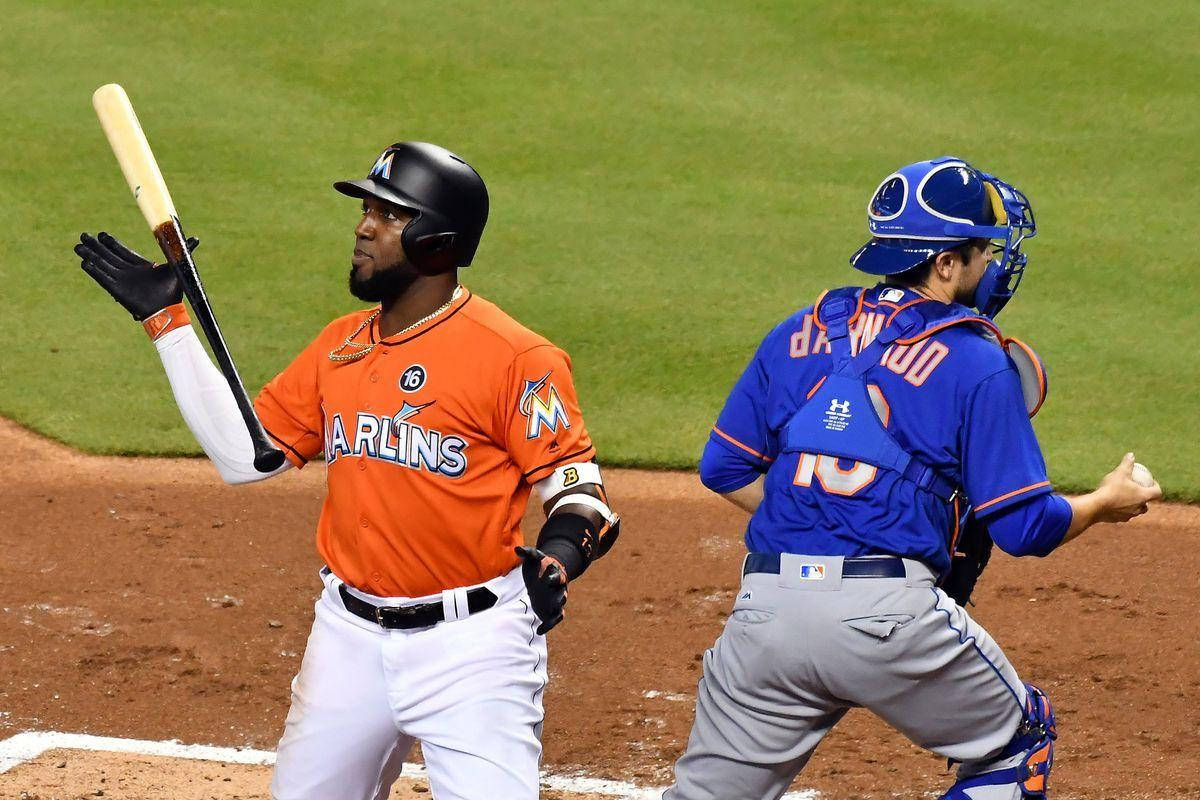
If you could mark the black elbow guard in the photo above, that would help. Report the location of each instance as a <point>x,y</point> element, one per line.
<point>576,541</point>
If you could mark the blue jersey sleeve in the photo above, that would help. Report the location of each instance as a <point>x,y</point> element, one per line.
<point>1002,463</point>
<point>739,446</point>
<point>1031,528</point>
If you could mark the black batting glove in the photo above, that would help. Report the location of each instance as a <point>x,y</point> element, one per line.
<point>135,282</point>
<point>546,583</point>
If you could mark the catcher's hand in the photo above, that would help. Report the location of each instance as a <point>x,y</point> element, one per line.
<point>139,285</point>
<point>546,581</point>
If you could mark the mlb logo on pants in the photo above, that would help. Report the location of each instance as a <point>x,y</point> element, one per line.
<point>812,572</point>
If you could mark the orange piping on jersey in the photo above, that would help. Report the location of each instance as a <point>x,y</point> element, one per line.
<point>1041,374</point>
<point>941,326</point>
<point>736,443</point>
<point>1013,493</point>
<point>901,308</point>
<point>816,386</point>
<point>857,310</point>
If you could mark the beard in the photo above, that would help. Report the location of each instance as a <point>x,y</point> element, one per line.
<point>383,284</point>
<point>965,296</point>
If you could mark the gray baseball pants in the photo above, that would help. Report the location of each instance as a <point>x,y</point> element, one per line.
<point>798,651</point>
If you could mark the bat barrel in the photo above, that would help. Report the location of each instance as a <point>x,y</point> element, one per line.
<point>133,153</point>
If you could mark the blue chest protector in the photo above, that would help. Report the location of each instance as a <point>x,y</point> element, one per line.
<point>840,418</point>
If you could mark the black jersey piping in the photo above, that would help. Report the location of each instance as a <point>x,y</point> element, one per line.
<point>290,449</point>
<point>558,460</point>
<point>424,331</point>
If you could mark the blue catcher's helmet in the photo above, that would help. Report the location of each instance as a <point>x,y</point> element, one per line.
<point>932,206</point>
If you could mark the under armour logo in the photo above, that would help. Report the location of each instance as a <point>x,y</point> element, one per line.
<point>837,418</point>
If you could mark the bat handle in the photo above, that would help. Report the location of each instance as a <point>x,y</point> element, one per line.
<point>267,458</point>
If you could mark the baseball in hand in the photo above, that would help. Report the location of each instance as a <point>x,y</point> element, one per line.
<point>1141,475</point>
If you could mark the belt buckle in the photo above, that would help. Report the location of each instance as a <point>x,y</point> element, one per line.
<point>403,611</point>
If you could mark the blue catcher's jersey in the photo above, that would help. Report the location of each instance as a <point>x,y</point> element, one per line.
<point>952,400</point>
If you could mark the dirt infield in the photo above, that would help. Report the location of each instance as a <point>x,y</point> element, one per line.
<point>143,598</point>
<point>71,773</point>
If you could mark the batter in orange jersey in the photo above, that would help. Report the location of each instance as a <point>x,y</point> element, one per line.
<point>437,415</point>
<point>432,439</point>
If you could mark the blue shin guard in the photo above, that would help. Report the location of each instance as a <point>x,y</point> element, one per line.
<point>1034,742</point>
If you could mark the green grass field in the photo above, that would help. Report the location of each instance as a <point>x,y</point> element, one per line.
<point>668,180</point>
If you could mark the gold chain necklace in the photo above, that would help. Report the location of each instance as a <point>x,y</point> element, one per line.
<point>360,350</point>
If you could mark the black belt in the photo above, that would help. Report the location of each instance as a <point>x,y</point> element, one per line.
<point>890,567</point>
<point>421,615</point>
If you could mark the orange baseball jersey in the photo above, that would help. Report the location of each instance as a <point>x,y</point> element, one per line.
<point>432,442</point>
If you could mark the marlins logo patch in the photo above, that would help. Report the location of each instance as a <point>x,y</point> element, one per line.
<point>542,406</point>
<point>383,165</point>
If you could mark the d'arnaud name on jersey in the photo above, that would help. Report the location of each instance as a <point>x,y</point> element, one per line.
<point>397,440</point>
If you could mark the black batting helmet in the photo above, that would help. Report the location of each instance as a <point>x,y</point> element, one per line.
<point>445,194</point>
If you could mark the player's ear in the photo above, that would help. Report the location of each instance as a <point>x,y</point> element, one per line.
<point>945,263</point>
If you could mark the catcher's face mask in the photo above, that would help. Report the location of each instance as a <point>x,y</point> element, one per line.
<point>1002,276</point>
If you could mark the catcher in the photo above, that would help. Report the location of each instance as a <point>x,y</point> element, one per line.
<point>864,430</point>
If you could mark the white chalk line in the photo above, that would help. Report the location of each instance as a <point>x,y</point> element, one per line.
<point>27,746</point>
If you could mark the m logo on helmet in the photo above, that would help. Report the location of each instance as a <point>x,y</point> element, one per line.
<point>383,165</point>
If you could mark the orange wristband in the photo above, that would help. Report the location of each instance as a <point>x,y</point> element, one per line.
<point>168,319</point>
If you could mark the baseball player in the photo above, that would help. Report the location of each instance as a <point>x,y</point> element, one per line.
<point>437,416</point>
<point>860,434</point>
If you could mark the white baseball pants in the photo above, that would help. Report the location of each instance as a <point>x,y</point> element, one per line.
<point>470,690</point>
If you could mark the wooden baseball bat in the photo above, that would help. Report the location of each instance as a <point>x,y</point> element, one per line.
<point>141,172</point>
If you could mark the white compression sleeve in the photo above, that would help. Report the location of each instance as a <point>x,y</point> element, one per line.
<point>208,407</point>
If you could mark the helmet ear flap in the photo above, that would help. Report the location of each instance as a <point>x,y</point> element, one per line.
<point>431,253</point>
